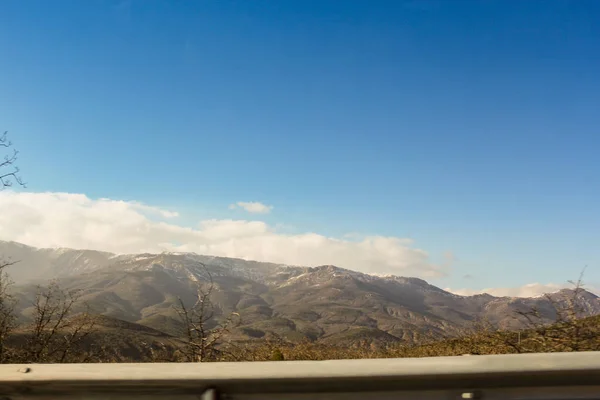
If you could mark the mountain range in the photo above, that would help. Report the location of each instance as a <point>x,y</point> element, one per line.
<point>325,303</point>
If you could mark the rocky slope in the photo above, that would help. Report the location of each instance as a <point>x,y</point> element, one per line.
<point>325,303</point>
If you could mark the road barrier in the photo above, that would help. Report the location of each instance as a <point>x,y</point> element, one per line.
<point>550,376</point>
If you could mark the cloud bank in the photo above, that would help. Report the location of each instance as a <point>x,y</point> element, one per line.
<point>252,207</point>
<point>76,221</point>
<point>528,290</point>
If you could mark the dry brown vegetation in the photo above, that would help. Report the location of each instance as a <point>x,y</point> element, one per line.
<point>481,339</point>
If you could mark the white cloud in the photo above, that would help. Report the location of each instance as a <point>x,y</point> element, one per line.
<point>74,220</point>
<point>252,207</point>
<point>528,290</point>
<point>152,210</point>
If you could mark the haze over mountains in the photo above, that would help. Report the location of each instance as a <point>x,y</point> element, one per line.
<point>325,303</point>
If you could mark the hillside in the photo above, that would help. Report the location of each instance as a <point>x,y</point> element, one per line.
<point>109,340</point>
<point>475,341</point>
<point>327,303</point>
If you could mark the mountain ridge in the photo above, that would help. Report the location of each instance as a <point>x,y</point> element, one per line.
<point>206,259</point>
<point>325,303</point>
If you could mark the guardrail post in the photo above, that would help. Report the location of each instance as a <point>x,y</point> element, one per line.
<point>210,394</point>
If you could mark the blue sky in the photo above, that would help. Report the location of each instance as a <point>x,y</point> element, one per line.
<point>469,126</point>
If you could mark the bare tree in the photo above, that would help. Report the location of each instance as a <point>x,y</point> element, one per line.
<point>9,172</point>
<point>202,341</point>
<point>569,329</point>
<point>7,310</point>
<point>57,333</point>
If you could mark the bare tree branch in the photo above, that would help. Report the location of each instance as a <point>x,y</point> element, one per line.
<point>9,172</point>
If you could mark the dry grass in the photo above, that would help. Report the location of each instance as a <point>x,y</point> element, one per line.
<point>581,335</point>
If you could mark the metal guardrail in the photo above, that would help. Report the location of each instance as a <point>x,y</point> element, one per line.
<point>551,376</point>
